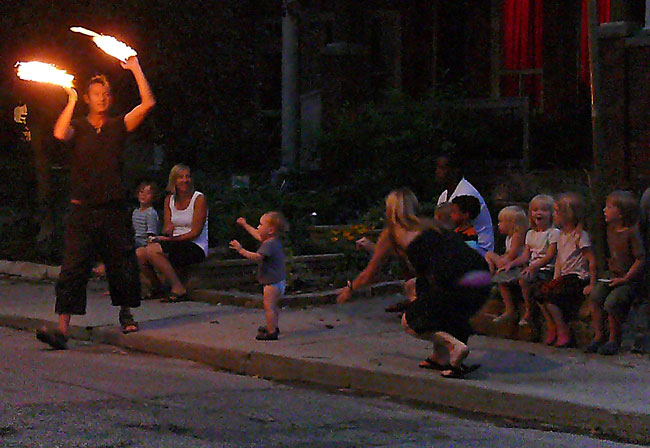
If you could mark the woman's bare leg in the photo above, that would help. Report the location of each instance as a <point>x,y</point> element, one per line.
<point>458,350</point>
<point>440,352</point>
<point>159,261</point>
<point>142,254</point>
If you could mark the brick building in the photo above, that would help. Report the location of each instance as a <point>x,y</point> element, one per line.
<point>494,50</point>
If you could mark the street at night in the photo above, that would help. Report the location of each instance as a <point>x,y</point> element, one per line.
<point>101,396</point>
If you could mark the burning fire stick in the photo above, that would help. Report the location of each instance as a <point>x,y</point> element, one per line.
<point>42,72</point>
<point>108,44</point>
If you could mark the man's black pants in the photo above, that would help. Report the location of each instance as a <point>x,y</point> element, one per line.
<point>91,231</point>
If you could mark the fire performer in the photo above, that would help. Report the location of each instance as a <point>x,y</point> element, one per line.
<point>99,222</point>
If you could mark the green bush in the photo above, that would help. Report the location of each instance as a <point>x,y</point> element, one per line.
<point>226,204</point>
<point>371,151</point>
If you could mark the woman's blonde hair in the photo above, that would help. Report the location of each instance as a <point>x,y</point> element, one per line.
<point>174,174</point>
<point>401,209</point>
<point>515,215</point>
<point>543,201</point>
<point>572,207</point>
<point>277,221</point>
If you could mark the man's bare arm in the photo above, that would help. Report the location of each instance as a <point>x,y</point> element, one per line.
<point>62,129</point>
<point>147,101</point>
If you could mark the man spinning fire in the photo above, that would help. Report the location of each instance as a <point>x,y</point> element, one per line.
<point>99,222</point>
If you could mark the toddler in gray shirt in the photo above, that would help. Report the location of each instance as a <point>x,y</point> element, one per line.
<point>271,272</point>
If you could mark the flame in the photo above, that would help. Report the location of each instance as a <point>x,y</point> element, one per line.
<point>108,44</point>
<point>42,72</point>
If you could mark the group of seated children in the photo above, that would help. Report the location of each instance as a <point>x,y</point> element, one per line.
<point>549,258</point>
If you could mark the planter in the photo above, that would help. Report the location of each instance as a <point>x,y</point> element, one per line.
<point>249,300</point>
<point>218,274</point>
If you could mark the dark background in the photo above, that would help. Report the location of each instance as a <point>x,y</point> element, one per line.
<point>199,58</point>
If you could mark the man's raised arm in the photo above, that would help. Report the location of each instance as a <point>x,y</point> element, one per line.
<point>62,129</point>
<point>147,101</point>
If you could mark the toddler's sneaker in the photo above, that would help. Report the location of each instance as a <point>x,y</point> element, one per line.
<point>266,336</point>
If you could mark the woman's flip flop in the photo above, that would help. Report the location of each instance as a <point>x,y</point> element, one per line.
<point>429,363</point>
<point>173,298</point>
<point>459,372</point>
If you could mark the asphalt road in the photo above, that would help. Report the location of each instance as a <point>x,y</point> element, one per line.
<point>100,396</point>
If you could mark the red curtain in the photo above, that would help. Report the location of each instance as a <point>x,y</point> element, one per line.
<point>522,42</point>
<point>603,16</point>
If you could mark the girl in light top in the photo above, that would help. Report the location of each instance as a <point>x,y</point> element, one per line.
<point>539,251</point>
<point>575,271</point>
<point>185,234</point>
<point>512,223</point>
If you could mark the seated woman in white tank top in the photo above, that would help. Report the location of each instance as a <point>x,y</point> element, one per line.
<point>185,236</point>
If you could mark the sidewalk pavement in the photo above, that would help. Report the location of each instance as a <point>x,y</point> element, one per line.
<point>358,346</point>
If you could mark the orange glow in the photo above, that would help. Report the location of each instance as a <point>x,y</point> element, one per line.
<point>108,44</point>
<point>42,72</point>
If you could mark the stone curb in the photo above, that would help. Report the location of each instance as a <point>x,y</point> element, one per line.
<point>30,271</point>
<point>454,394</point>
<point>34,271</point>
<point>248,300</point>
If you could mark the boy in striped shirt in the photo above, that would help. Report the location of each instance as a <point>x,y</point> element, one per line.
<point>145,218</point>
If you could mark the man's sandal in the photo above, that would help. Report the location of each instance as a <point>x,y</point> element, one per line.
<point>53,338</point>
<point>127,322</point>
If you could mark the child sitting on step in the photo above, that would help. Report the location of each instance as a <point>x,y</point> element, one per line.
<point>539,252</point>
<point>513,223</point>
<point>613,295</point>
<point>464,210</point>
<point>575,271</point>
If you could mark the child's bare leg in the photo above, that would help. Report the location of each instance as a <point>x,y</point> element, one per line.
<point>491,258</point>
<point>551,329</point>
<point>271,310</point>
<point>509,303</point>
<point>596,321</point>
<point>614,323</point>
<point>563,332</point>
<point>528,304</point>
<point>409,289</point>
